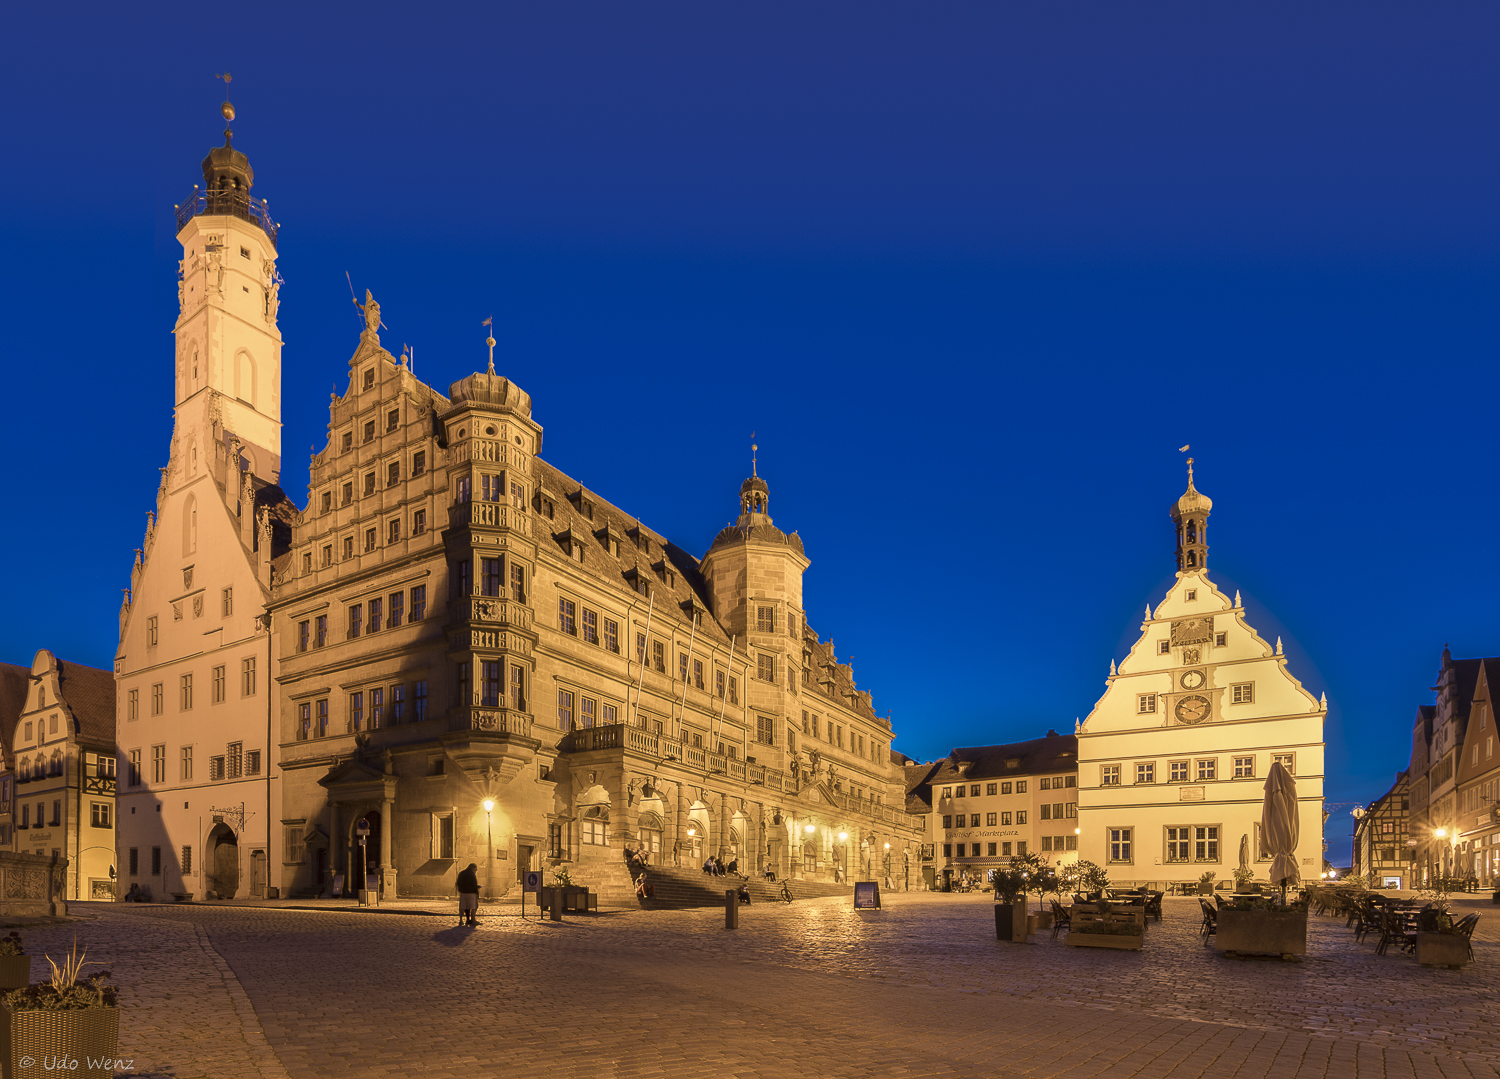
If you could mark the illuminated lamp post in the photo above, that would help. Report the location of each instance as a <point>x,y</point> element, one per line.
<point>489,836</point>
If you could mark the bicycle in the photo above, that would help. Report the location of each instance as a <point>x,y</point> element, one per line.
<point>786,890</point>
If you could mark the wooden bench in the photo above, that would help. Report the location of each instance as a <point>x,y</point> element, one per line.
<point>182,897</point>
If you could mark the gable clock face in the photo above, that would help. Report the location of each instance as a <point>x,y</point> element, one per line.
<point>1192,709</point>
<point>1193,680</point>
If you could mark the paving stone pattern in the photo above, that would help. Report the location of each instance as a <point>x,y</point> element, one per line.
<point>921,988</point>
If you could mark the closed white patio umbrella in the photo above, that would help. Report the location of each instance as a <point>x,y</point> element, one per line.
<point>1278,826</point>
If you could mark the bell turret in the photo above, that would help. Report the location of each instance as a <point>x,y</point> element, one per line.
<point>1190,514</point>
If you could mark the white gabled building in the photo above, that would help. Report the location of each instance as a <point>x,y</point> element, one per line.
<point>1172,761</point>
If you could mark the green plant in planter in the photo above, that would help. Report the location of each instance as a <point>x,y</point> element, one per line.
<point>1208,877</point>
<point>1083,876</point>
<point>1437,893</point>
<point>1011,886</point>
<point>10,944</point>
<point>561,878</point>
<point>1243,876</point>
<point>70,1023</point>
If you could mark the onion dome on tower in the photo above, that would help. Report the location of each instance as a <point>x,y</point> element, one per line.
<point>1190,514</point>
<point>755,515</point>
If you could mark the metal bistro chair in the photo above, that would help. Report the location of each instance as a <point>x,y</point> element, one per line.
<point>1393,931</point>
<point>1464,927</point>
<point>1153,905</point>
<point>1062,918</point>
<point>1210,924</point>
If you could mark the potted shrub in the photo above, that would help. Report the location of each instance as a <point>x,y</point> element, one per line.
<point>1242,878</point>
<point>15,964</point>
<point>1010,906</point>
<point>1206,883</point>
<point>1106,928</point>
<point>1040,878</point>
<point>1262,925</point>
<point>1438,943</point>
<point>69,1024</point>
<point>1084,877</point>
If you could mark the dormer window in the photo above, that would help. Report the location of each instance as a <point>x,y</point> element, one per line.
<point>369,378</point>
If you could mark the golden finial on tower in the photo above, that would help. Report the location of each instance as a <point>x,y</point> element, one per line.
<point>490,340</point>
<point>753,449</point>
<point>226,109</point>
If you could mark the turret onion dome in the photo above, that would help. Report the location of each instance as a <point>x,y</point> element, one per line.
<point>1192,501</point>
<point>754,483</point>
<point>759,533</point>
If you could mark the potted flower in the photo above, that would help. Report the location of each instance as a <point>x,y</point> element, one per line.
<point>15,964</point>
<point>1242,878</point>
<point>1010,906</point>
<point>1206,883</point>
<point>69,1024</point>
<point>1253,924</point>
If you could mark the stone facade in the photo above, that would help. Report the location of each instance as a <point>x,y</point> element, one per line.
<point>1173,758</point>
<point>1476,813</point>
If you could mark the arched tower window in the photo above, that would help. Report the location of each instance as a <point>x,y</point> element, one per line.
<point>190,525</point>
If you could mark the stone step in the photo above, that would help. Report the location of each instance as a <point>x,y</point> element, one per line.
<point>678,888</point>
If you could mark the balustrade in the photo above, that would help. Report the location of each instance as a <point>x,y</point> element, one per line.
<point>501,721</point>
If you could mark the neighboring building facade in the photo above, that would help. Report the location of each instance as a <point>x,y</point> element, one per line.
<point>1172,761</point>
<point>1437,830</point>
<point>193,704</point>
<point>990,803</point>
<point>1382,851</point>
<point>1477,799</point>
<point>58,722</point>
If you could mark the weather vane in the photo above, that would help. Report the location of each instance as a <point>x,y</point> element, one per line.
<point>227,109</point>
<point>490,340</point>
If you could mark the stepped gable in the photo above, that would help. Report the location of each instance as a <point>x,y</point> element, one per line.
<point>1054,753</point>
<point>564,491</point>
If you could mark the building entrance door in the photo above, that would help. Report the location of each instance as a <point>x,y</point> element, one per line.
<point>773,857</point>
<point>258,874</point>
<point>523,861</point>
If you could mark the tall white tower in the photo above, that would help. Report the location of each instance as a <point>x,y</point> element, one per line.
<point>195,667</point>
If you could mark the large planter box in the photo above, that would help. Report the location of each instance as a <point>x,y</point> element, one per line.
<point>1131,943</point>
<point>1205,889</point>
<point>1011,922</point>
<point>82,1042</point>
<point>15,972</point>
<point>1043,919</point>
<point>1262,932</point>
<point>1442,950</point>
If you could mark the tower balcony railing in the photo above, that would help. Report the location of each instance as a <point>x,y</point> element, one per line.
<point>239,204</point>
<point>488,515</point>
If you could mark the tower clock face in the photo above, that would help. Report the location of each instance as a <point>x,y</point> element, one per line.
<point>1193,680</point>
<point>1192,709</point>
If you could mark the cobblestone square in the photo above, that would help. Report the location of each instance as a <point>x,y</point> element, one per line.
<point>920,988</point>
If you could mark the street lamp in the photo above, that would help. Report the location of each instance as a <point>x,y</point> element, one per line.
<point>489,836</point>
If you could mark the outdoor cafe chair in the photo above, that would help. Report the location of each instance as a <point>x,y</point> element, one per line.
<point>1062,918</point>
<point>1464,927</point>
<point>1210,924</point>
<point>1153,905</point>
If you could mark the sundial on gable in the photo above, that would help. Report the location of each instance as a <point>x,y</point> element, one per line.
<point>1192,631</point>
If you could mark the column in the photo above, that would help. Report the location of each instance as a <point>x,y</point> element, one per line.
<point>387,824</point>
<point>337,846</point>
<point>682,848</point>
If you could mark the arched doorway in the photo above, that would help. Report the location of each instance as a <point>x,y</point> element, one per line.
<point>651,834</point>
<point>222,862</point>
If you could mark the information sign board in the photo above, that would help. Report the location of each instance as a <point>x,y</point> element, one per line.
<point>866,895</point>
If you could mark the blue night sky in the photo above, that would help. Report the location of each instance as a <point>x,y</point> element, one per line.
<point>972,271</point>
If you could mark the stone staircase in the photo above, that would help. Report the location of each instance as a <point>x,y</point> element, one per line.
<point>677,888</point>
<point>610,881</point>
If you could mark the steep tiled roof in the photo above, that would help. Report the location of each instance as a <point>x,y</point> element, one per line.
<point>12,699</point>
<point>1054,753</point>
<point>655,549</point>
<point>919,787</point>
<point>90,693</point>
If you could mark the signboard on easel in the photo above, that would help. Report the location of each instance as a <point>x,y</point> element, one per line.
<point>866,895</point>
<point>531,882</point>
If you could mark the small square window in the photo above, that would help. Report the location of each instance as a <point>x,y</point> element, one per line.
<point>1243,693</point>
<point>1179,771</point>
<point>1109,775</point>
<point>1145,703</point>
<point>1163,648</point>
<point>992,788</point>
<point>1145,773</point>
<point>1190,595</point>
<point>1208,769</point>
<point>1244,767</point>
<point>1221,639</point>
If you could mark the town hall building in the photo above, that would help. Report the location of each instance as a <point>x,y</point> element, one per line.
<point>454,652</point>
